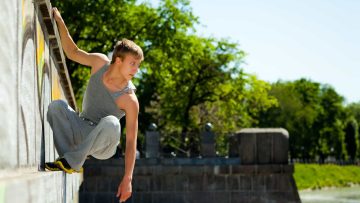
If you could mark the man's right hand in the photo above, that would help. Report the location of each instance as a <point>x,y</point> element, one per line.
<point>56,14</point>
<point>95,60</point>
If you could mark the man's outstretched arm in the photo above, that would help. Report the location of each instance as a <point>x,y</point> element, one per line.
<point>131,106</point>
<point>95,60</point>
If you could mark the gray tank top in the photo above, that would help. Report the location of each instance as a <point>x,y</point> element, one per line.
<point>98,101</point>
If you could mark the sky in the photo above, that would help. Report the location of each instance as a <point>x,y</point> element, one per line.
<point>290,39</point>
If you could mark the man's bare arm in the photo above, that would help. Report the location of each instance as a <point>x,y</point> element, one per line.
<point>94,60</point>
<point>131,138</point>
<point>130,104</point>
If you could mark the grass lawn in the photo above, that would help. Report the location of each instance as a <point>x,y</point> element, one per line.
<point>315,176</point>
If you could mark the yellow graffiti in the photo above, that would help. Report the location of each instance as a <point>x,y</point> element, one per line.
<point>40,52</point>
<point>55,87</point>
<point>23,16</point>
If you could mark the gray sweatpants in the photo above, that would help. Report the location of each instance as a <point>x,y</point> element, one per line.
<point>75,138</point>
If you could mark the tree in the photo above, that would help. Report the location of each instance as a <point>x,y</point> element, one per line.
<point>331,123</point>
<point>297,111</point>
<point>314,116</point>
<point>353,110</point>
<point>352,128</point>
<point>351,138</point>
<point>241,100</point>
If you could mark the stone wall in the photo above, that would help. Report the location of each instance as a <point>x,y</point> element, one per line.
<point>33,73</point>
<point>190,180</point>
<point>258,173</point>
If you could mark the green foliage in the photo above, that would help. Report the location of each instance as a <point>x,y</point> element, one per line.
<point>332,122</point>
<point>352,129</point>
<point>314,176</point>
<point>241,99</point>
<point>353,110</point>
<point>351,138</point>
<point>314,116</point>
<point>82,75</point>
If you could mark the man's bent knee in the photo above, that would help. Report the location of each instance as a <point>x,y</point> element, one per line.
<point>111,125</point>
<point>54,108</point>
<point>56,105</point>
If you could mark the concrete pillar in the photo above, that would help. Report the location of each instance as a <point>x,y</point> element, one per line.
<point>233,146</point>
<point>208,142</point>
<point>152,142</point>
<point>262,146</point>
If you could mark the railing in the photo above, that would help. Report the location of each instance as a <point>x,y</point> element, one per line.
<point>192,144</point>
<point>172,147</point>
<point>329,160</point>
<point>207,143</point>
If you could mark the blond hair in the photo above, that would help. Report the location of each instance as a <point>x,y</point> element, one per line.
<point>124,47</point>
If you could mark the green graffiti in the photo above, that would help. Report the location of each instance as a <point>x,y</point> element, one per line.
<point>2,193</point>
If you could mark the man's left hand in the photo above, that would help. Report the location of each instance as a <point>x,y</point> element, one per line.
<point>124,190</point>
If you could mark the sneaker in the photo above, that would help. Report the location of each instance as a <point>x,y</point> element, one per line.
<point>51,166</point>
<point>64,165</point>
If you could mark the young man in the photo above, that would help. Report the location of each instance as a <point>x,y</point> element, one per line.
<point>109,96</point>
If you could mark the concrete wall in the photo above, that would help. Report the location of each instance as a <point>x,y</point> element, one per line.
<point>33,73</point>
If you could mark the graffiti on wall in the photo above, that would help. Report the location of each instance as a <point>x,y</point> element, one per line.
<point>40,55</point>
<point>38,84</point>
<point>26,121</point>
<point>55,87</point>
